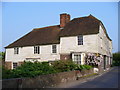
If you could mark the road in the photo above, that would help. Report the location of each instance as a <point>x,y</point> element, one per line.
<point>107,80</point>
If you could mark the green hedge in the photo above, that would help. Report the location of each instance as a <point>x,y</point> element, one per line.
<point>81,67</point>
<point>64,65</point>
<point>29,69</point>
<point>116,59</point>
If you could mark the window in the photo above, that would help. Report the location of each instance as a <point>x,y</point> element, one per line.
<point>54,49</point>
<point>77,58</point>
<point>16,50</point>
<point>36,49</point>
<point>101,42</point>
<point>14,65</point>
<point>80,40</point>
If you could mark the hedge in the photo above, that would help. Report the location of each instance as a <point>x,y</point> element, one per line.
<point>29,69</point>
<point>116,59</point>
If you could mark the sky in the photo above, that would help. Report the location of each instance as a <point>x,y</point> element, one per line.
<point>118,26</point>
<point>19,18</point>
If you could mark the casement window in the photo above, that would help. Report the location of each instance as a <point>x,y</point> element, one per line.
<point>54,48</point>
<point>77,58</point>
<point>36,49</point>
<point>16,50</point>
<point>80,40</point>
<point>15,64</point>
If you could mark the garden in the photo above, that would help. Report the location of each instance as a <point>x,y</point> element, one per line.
<point>29,69</point>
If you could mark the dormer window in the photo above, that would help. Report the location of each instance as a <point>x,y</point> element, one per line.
<point>36,49</point>
<point>16,50</point>
<point>80,40</point>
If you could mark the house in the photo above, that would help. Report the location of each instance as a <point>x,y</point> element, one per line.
<point>83,40</point>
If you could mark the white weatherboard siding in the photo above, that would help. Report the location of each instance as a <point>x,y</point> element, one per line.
<point>70,44</point>
<point>28,52</point>
<point>93,43</point>
<point>104,44</point>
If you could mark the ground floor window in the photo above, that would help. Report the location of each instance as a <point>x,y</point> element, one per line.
<point>77,58</point>
<point>15,64</point>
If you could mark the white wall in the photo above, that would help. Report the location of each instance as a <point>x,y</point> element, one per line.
<point>91,43</point>
<point>70,44</point>
<point>28,52</point>
<point>104,44</point>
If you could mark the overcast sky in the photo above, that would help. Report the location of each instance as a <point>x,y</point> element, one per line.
<point>19,18</point>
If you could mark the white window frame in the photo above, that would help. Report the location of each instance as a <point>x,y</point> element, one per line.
<point>80,39</point>
<point>76,57</point>
<point>13,65</point>
<point>55,49</point>
<point>16,50</point>
<point>37,50</point>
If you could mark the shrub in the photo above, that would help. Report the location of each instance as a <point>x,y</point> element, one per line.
<point>116,59</point>
<point>6,73</point>
<point>81,67</point>
<point>29,69</point>
<point>64,65</point>
<point>87,67</point>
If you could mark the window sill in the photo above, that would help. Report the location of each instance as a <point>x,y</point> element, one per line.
<point>53,53</point>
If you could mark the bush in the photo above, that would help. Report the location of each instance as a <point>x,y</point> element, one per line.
<point>64,65</point>
<point>81,67</point>
<point>116,59</point>
<point>29,69</point>
<point>87,67</point>
<point>6,73</point>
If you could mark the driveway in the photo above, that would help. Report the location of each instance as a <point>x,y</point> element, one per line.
<point>106,80</point>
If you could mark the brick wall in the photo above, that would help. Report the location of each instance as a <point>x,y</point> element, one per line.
<point>19,63</point>
<point>8,65</point>
<point>65,57</point>
<point>45,81</point>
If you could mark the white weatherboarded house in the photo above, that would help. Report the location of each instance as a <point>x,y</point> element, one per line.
<point>83,40</point>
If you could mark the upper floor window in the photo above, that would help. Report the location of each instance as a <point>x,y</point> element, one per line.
<point>16,50</point>
<point>80,40</point>
<point>36,49</point>
<point>54,49</point>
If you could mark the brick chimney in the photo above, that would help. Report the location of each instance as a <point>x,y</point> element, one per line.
<point>64,18</point>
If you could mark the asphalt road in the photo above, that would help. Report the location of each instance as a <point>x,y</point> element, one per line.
<point>107,80</point>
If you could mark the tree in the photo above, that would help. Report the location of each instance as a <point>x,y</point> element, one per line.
<point>2,55</point>
<point>2,58</point>
<point>116,59</point>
